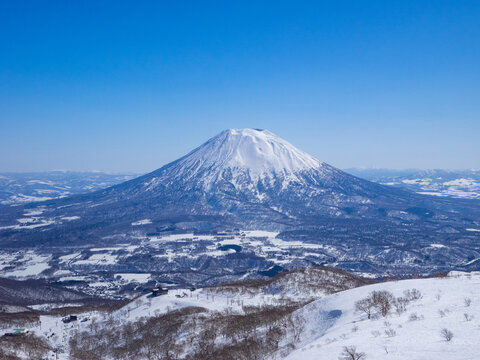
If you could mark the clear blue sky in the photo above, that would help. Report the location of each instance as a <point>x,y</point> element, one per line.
<point>130,86</point>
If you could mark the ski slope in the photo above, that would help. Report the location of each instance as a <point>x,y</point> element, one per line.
<point>332,323</point>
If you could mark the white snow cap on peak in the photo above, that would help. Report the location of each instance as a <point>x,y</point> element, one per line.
<point>258,151</point>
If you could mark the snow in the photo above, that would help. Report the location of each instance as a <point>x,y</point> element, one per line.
<point>33,212</point>
<point>29,223</point>
<point>437,246</point>
<point>330,323</point>
<point>241,154</point>
<point>288,244</point>
<point>70,218</point>
<point>258,150</point>
<point>98,259</point>
<point>31,264</point>
<point>411,181</point>
<point>142,222</point>
<point>260,233</point>
<point>67,258</point>
<point>21,198</point>
<point>172,237</point>
<point>461,182</point>
<point>134,277</point>
<point>40,182</point>
<point>262,243</point>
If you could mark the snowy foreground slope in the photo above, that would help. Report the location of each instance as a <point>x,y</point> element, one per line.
<point>211,324</point>
<point>332,323</point>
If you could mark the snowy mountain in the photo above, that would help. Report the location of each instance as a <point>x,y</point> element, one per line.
<point>258,153</point>
<point>239,183</point>
<point>243,178</point>
<point>19,188</point>
<point>445,183</point>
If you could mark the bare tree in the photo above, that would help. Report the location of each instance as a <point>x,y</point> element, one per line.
<point>446,334</point>
<point>383,301</point>
<point>350,353</point>
<point>365,305</point>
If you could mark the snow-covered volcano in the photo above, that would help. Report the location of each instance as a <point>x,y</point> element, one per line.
<point>253,180</point>
<point>242,157</point>
<point>249,179</point>
<point>256,151</point>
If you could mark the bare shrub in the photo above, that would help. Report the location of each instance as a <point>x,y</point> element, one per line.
<point>440,274</point>
<point>446,334</point>
<point>468,317</point>
<point>351,353</point>
<point>400,305</point>
<point>467,302</point>
<point>413,294</point>
<point>413,317</point>
<point>390,332</point>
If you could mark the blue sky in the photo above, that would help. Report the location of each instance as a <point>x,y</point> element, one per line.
<point>132,85</point>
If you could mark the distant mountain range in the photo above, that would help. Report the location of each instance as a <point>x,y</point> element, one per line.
<point>18,188</point>
<point>245,180</point>
<point>445,183</point>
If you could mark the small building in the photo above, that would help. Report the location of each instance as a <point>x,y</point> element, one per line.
<point>69,319</point>
<point>17,332</point>
<point>159,291</point>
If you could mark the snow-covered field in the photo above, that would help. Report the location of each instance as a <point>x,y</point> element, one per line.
<point>29,264</point>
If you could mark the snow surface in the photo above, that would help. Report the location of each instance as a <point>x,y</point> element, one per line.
<point>70,218</point>
<point>142,222</point>
<point>332,323</point>
<point>29,265</point>
<point>134,277</point>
